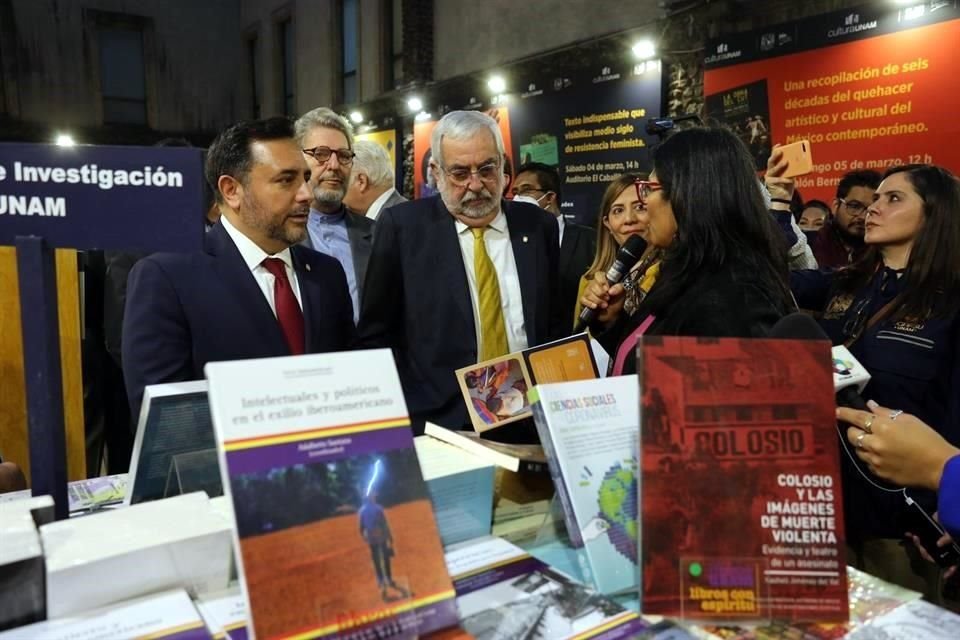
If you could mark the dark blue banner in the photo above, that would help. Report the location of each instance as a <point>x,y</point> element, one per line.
<point>99,197</point>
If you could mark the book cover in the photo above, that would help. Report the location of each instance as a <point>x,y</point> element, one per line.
<point>740,500</point>
<point>505,594</point>
<point>461,489</point>
<point>174,419</point>
<point>495,391</point>
<point>589,430</point>
<point>22,581</point>
<point>225,614</point>
<point>335,533</point>
<point>163,616</point>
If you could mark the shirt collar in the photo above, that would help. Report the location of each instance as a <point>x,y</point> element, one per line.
<point>328,218</point>
<point>561,222</point>
<point>377,204</point>
<point>252,254</point>
<point>499,224</point>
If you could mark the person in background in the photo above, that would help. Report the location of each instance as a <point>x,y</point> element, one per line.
<point>326,139</point>
<point>840,240</point>
<point>621,216</point>
<point>724,266</point>
<point>897,309</point>
<point>371,181</point>
<point>11,477</point>
<point>814,215</point>
<point>539,184</point>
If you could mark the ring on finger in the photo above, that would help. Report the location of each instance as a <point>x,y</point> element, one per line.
<point>896,414</point>
<point>868,424</point>
<point>859,442</point>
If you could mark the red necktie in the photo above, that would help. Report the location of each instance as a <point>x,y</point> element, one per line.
<point>289,314</point>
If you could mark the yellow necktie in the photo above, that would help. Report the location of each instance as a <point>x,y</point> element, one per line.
<point>493,334</point>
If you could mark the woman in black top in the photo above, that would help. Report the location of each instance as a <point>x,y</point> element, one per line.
<point>898,311</point>
<point>724,268</point>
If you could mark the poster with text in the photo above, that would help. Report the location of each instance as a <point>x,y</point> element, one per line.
<point>591,128</point>
<point>869,88</point>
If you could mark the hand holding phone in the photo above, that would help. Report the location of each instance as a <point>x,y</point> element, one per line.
<point>799,159</point>
<point>928,532</point>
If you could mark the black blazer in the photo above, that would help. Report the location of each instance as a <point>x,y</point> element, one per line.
<point>417,300</point>
<point>731,303</point>
<point>185,310</point>
<point>360,235</point>
<point>577,249</point>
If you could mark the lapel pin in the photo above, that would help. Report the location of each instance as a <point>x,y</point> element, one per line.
<point>524,238</point>
<point>308,266</point>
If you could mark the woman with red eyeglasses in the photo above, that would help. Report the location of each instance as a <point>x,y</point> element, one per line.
<point>724,266</point>
<point>897,308</point>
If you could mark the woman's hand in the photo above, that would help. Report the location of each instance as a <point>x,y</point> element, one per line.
<point>779,187</point>
<point>897,446</point>
<point>606,300</point>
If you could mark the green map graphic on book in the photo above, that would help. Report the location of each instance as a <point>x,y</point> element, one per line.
<point>617,498</point>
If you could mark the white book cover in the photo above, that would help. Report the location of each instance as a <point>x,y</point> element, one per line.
<point>590,431</point>
<point>503,593</point>
<point>335,534</point>
<point>225,614</point>
<point>165,616</point>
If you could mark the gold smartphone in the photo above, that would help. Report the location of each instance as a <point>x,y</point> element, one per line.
<point>797,154</point>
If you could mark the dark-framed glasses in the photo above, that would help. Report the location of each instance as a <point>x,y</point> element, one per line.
<point>645,188</point>
<point>461,175</point>
<point>854,207</point>
<point>322,154</point>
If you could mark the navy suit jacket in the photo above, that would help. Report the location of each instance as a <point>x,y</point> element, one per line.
<point>417,300</point>
<point>360,235</point>
<point>576,255</point>
<point>185,310</point>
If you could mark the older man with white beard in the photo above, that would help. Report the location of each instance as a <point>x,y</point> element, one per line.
<point>460,277</point>
<point>327,143</point>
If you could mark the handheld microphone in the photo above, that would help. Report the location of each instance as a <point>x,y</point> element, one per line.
<point>628,255</point>
<point>849,376</point>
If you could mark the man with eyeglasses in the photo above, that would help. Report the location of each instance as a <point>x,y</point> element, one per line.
<point>840,240</point>
<point>539,184</point>
<point>327,142</point>
<point>461,277</point>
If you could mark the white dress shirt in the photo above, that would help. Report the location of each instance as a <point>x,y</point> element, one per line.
<point>561,222</point>
<point>500,250</point>
<point>254,257</point>
<point>377,204</point>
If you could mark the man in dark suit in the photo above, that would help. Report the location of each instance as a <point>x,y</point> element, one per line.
<point>327,142</point>
<point>371,187</point>
<point>540,183</point>
<point>253,292</point>
<point>460,277</point>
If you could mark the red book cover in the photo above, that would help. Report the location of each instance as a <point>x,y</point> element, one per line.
<point>740,500</point>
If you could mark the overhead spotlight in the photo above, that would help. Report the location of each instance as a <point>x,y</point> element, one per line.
<point>497,84</point>
<point>356,117</point>
<point>65,140</point>
<point>644,49</point>
<point>423,116</point>
<point>415,104</point>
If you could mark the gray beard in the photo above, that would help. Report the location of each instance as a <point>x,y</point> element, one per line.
<point>332,197</point>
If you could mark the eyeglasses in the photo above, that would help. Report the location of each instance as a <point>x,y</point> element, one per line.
<point>645,188</point>
<point>526,191</point>
<point>323,154</point>
<point>461,176</point>
<point>854,207</point>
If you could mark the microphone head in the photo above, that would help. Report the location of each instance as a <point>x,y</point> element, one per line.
<point>847,371</point>
<point>632,248</point>
<point>798,326</point>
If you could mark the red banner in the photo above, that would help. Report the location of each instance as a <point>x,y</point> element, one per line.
<point>868,104</point>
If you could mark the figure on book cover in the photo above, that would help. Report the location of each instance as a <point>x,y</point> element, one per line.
<point>376,533</point>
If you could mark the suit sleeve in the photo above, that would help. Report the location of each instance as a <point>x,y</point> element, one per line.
<point>381,306</point>
<point>115,298</point>
<point>347,329</point>
<point>156,342</point>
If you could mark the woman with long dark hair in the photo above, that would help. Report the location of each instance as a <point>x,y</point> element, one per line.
<point>897,309</point>
<point>724,266</point>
